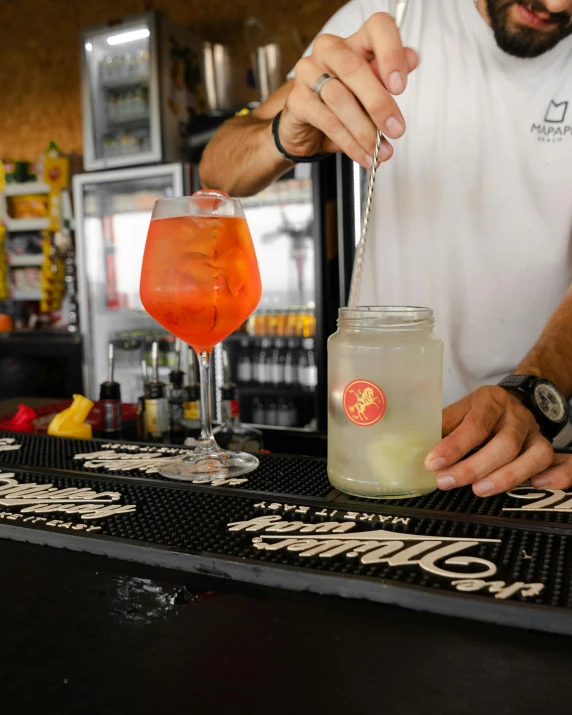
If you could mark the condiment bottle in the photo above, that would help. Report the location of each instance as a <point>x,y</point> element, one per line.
<point>156,405</point>
<point>110,401</point>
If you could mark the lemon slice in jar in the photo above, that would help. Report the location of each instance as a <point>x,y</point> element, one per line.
<point>396,461</point>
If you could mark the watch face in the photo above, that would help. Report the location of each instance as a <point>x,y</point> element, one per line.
<point>550,402</point>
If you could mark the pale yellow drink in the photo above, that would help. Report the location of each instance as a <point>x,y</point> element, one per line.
<point>385,401</point>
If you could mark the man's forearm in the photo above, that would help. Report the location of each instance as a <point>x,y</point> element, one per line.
<point>551,357</point>
<point>241,158</point>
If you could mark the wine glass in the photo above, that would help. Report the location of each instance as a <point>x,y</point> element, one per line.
<point>200,281</point>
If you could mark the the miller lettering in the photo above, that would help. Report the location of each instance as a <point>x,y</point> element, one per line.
<point>544,499</point>
<point>436,555</point>
<point>45,498</point>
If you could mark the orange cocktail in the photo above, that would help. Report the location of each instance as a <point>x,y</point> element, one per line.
<point>200,280</point>
<point>200,277</point>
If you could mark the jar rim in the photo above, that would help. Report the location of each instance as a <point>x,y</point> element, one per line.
<point>392,313</point>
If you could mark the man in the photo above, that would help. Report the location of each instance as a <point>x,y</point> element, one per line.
<point>473,215</point>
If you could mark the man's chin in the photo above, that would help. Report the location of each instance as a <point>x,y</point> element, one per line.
<point>514,46</point>
<point>524,34</point>
<point>525,42</point>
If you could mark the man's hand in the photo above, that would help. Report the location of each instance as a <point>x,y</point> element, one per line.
<point>369,67</point>
<point>512,449</point>
<point>557,476</point>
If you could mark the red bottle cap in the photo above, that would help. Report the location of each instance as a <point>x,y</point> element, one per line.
<point>22,420</point>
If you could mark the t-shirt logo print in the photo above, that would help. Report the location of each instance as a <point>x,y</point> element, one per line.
<point>553,129</point>
<point>556,112</point>
<point>364,403</point>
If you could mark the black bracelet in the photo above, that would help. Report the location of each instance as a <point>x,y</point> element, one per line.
<point>285,154</point>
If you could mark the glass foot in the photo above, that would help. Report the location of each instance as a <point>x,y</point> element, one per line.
<point>206,466</point>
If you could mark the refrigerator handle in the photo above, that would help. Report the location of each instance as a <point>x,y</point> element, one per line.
<point>187,179</point>
<point>349,187</point>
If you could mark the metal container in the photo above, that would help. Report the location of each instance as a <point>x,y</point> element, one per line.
<point>268,70</point>
<point>217,76</point>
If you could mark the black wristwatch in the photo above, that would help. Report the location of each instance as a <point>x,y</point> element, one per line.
<point>543,399</point>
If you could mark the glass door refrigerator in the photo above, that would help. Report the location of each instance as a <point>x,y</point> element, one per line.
<point>112,214</point>
<point>278,357</point>
<point>141,80</point>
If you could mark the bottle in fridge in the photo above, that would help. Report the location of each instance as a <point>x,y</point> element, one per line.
<point>278,363</point>
<point>307,368</point>
<point>244,366</point>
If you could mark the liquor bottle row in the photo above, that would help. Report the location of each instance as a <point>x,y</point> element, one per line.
<point>275,412</point>
<point>172,413</point>
<point>294,322</point>
<point>167,413</point>
<point>127,105</point>
<point>278,362</point>
<point>125,143</point>
<point>126,66</point>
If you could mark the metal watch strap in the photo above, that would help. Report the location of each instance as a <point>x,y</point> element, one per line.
<point>285,154</point>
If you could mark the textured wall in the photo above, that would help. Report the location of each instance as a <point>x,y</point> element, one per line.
<point>39,47</point>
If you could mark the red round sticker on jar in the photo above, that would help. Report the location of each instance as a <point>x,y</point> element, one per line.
<point>364,403</point>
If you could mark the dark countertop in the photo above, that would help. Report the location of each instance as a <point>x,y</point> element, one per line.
<point>86,634</point>
<point>28,343</point>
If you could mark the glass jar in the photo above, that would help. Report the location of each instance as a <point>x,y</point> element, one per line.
<point>384,401</point>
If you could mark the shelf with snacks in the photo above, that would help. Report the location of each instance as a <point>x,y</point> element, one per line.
<point>20,261</point>
<point>32,240</point>
<point>22,295</point>
<point>25,206</point>
<point>27,224</point>
<point>26,187</point>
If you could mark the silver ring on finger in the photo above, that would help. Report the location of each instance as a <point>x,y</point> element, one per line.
<point>319,84</point>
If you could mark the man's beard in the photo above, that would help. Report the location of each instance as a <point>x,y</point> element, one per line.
<point>523,41</point>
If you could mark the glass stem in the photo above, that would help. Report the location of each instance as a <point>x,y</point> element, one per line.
<point>206,441</point>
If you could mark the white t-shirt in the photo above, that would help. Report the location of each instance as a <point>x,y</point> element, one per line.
<point>473,214</point>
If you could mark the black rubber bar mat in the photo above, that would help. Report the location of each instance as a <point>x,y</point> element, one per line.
<point>507,559</point>
<point>278,476</point>
<point>142,461</point>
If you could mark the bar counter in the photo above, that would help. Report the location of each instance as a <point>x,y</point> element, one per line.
<point>126,592</point>
<point>87,634</point>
